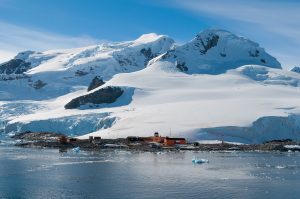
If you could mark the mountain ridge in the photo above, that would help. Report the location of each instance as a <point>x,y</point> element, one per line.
<point>214,51</point>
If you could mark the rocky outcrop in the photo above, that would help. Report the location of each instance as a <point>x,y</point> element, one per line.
<point>39,84</point>
<point>148,54</point>
<point>96,82</point>
<point>14,66</point>
<point>181,67</point>
<point>204,44</point>
<point>101,96</point>
<point>80,73</point>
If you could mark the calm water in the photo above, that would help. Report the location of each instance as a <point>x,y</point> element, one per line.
<point>36,173</point>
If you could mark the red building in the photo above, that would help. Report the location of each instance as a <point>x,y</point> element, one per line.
<point>167,141</point>
<point>174,141</point>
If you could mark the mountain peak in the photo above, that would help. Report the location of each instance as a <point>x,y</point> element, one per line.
<point>24,55</point>
<point>222,35</point>
<point>151,37</point>
<point>214,51</point>
<point>214,31</point>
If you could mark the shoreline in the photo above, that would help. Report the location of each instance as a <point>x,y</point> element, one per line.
<point>53,140</point>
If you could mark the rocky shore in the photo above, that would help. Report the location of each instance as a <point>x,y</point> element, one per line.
<point>59,141</point>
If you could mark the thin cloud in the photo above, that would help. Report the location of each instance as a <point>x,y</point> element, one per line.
<point>15,39</point>
<point>6,55</point>
<point>282,18</point>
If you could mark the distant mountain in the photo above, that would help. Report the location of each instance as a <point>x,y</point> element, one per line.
<point>217,86</point>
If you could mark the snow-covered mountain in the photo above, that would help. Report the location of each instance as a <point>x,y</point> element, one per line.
<point>215,52</point>
<point>45,75</point>
<point>217,86</point>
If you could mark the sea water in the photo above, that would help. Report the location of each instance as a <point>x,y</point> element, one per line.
<point>48,173</point>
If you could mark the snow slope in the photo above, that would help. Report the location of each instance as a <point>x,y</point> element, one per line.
<point>65,71</point>
<point>236,97</point>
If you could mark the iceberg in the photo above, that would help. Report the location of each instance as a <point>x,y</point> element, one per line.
<point>199,161</point>
<point>76,149</point>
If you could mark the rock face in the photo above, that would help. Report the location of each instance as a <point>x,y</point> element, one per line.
<point>148,54</point>
<point>204,44</point>
<point>104,95</point>
<point>96,82</point>
<point>14,66</point>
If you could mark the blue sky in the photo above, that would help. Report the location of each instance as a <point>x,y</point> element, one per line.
<point>50,24</point>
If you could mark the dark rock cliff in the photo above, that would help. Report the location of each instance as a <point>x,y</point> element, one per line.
<point>101,96</point>
<point>96,82</point>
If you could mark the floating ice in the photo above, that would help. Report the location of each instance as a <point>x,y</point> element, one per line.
<point>199,161</point>
<point>76,149</point>
<point>292,146</point>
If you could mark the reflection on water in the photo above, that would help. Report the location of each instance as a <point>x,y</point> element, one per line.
<point>44,173</point>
